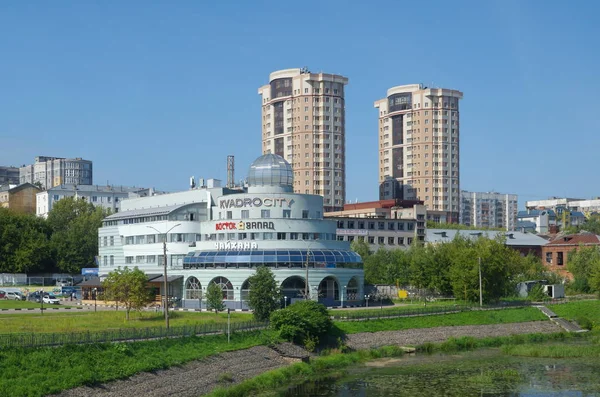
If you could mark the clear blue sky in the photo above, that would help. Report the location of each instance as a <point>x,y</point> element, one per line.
<point>155,92</point>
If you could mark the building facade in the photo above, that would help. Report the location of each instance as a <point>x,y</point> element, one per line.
<point>303,121</point>
<point>419,134</point>
<point>221,235</point>
<point>21,198</point>
<point>389,224</point>
<point>54,171</point>
<point>9,176</point>
<point>555,254</point>
<point>488,210</point>
<point>108,197</point>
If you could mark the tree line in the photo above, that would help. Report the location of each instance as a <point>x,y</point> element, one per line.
<point>452,268</point>
<point>65,242</point>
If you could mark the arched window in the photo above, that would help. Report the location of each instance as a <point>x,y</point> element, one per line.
<point>193,288</point>
<point>225,286</point>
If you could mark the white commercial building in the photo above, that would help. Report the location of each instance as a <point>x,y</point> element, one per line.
<point>488,210</point>
<point>220,235</point>
<point>108,197</point>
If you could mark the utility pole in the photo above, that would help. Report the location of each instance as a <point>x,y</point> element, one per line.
<point>306,283</point>
<point>165,284</point>
<point>480,286</point>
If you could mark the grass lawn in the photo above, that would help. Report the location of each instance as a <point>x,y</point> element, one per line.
<point>42,371</point>
<point>517,315</point>
<point>72,321</point>
<point>579,309</point>
<point>13,304</point>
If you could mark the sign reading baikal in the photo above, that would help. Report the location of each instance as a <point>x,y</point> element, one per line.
<point>255,202</point>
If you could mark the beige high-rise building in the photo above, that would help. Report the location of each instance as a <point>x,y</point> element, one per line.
<point>419,148</point>
<point>303,121</point>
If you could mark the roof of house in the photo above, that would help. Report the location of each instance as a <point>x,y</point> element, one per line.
<point>154,211</point>
<point>576,239</point>
<point>526,224</point>
<point>578,214</point>
<point>512,238</point>
<point>535,213</point>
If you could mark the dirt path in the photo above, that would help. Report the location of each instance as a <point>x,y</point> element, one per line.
<point>200,377</point>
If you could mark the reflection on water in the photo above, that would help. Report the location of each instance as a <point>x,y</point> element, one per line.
<point>478,373</point>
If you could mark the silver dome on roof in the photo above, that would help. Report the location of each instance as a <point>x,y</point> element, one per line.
<point>270,170</point>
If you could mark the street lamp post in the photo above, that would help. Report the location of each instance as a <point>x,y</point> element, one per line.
<point>42,301</point>
<point>95,297</point>
<point>285,302</point>
<point>343,292</point>
<point>165,284</point>
<point>367,300</point>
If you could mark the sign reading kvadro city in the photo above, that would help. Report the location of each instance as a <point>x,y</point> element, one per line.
<point>244,225</point>
<point>255,202</point>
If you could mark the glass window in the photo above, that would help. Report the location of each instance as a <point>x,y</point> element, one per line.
<point>371,225</point>
<point>281,236</point>
<point>391,226</point>
<point>129,259</point>
<point>380,240</point>
<point>150,239</point>
<point>112,240</point>
<point>390,241</point>
<point>245,214</point>
<point>371,240</point>
<point>381,225</point>
<point>221,236</point>
<point>287,213</point>
<point>242,236</point>
<point>105,241</point>
<point>230,236</point>
<point>254,236</point>
<point>293,236</point>
<point>112,260</point>
<point>304,214</point>
<point>268,236</point>
<point>229,214</point>
<point>265,213</point>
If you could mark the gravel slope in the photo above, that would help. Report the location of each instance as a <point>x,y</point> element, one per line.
<point>199,377</point>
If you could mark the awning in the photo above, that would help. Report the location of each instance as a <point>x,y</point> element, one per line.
<point>170,279</point>
<point>92,282</point>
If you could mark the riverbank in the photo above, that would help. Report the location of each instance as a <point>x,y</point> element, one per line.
<point>231,368</point>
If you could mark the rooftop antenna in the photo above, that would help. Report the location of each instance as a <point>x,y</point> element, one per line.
<point>230,171</point>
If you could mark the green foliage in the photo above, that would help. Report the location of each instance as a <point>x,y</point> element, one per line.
<point>573,311</point>
<point>24,243</point>
<point>361,247</point>
<point>264,295</point>
<point>74,224</point>
<point>214,298</point>
<point>584,264</point>
<point>452,268</point>
<point>591,224</point>
<point>302,320</point>
<point>128,287</point>
<point>537,293</point>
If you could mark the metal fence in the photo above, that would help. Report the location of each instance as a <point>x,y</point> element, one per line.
<point>123,334</point>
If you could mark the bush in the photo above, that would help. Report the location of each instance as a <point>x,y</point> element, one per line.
<point>302,321</point>
<point>584,322</point>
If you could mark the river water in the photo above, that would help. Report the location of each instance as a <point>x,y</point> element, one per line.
<point>479,373</point>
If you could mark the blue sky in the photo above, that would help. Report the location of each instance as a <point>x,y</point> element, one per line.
<point>155,92</point>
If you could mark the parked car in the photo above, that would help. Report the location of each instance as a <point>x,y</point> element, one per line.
<point>17,296</point>
<point>33,297</point>
<point>51,299</point>
<point>2,295</point>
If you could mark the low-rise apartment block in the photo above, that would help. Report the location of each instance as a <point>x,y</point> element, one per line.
<point>108,197</point>
<point>389,224</point>
<point>55,171</point>
<point>21,198</point>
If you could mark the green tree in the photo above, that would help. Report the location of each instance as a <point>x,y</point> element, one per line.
<point>24,243</point>
<point>74,224</point>
<point>361,247</point>
<point>214,298</point>
<point>582,264</point>
<point>128,287</point>
<point>304,322</point>
<point>264,296</point>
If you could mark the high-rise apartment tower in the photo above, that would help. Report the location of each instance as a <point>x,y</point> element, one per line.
<point>303,121</point>
<point>419,148</point>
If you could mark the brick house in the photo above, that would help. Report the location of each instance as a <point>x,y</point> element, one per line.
<point>555,254</point>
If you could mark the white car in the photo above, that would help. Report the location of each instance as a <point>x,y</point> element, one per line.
<point>50,299</point>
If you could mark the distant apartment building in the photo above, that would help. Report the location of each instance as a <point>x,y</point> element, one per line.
<point>303,121</point>
<point>9,176</point>
<point>419,135</point>
<point>108,197</point>
<point>549,221</point>
<point>19,198</point>
<point>585,206</point>
<point>389,224</point>
<point>488,210</point>
<point>55,171</point>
